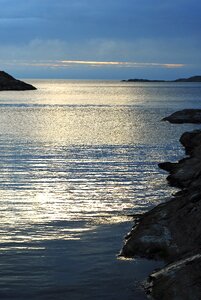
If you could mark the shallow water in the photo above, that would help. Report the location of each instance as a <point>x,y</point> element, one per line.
<point>78,157</point>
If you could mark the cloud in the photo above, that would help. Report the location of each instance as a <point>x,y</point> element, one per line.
<point>127,33</point>
<point>173,51</point>
<point>107,19</point>
<point>74,63</point>
<point>99,58</point>
<point>121,64</point>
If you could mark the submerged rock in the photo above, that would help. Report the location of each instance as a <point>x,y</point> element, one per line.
<point>9,83</point>
<point>172,231</point>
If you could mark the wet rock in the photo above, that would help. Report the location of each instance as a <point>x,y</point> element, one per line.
<point>185,116</point>
<point>9,83</point>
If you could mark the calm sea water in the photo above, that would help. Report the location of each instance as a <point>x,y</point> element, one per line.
<point>77,158</point>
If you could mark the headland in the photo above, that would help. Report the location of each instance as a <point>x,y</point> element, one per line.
<point>9,83</point>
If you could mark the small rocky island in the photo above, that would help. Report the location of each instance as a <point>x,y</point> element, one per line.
<point>190,79</point>
<point>185,116</point>
<point>172,230</point>
<point>9,83</point>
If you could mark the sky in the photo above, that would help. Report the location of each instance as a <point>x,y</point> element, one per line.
<point>100,39</point>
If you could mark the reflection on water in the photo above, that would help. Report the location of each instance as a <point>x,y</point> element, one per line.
<point>72,125</point>
<point>76,159</point>
<point>46,183</point>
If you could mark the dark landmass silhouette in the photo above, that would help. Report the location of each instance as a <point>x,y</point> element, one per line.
<point>9,83</point>
<point>190,79</point>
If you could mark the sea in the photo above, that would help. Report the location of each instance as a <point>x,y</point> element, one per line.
<point>77,159</point>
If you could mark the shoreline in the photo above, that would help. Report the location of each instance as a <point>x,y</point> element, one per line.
<point>171,231</point>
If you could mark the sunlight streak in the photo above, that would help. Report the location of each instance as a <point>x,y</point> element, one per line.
<point>89,63</point>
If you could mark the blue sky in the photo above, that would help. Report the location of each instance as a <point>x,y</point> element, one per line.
<point>111,39</point>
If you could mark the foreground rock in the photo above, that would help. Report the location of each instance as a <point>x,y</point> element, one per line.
<point>172,230</point>
<point>179,280</point>
<point>9,83</point>
<point>164,232</point>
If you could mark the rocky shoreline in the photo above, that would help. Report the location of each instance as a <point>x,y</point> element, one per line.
<point>172,230</point>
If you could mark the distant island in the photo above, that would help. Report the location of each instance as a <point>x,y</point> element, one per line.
<point>190,79</point>
<point>9,83</point>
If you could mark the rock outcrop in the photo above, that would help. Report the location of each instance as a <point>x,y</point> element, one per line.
<point>172,230</point>
<point>179,280</point>
<point>185,116</point>
<point>9,83</point>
